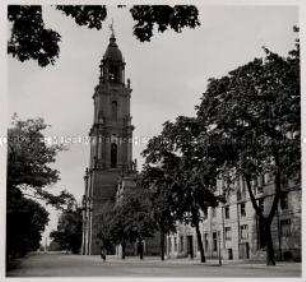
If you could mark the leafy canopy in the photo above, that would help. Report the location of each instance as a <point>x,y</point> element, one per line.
<point>30,159</point>
<point>31,40</point>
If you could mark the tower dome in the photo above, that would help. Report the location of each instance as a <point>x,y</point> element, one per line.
<point>112,52</point>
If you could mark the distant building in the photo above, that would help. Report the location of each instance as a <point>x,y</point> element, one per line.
<point>231,230</point>
<point>110,144</point>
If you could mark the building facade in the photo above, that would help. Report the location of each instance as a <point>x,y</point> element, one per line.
<point>110,143</point>
<point>231,231</point>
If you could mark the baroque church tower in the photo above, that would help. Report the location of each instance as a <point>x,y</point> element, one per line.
<point>110,143</point>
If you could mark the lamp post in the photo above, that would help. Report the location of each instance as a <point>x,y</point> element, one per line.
<point>219,248</point>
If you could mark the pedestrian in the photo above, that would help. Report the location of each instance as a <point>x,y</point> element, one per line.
<point>103,254</point>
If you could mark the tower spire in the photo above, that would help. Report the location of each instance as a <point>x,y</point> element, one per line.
<point>111,27</point>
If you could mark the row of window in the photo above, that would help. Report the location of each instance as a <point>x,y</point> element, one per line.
<point>285,231</point>
<point>284,205</point>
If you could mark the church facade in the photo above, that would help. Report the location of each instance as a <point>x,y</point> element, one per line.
<point>110,143</point>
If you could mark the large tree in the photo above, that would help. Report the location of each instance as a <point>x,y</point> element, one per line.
<point>26,220</point>
<point>129,220</point>
<point>31,40</point>
<point>251,120</point>
<point>30,159</point>
<point>29,174</point>
<point>192,176</point>
<point>133,219</point>
<point>158,184</point>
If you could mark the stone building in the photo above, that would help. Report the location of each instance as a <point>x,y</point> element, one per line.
<point>110,143</point>
<point>231,231</point>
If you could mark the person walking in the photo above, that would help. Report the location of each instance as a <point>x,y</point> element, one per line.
<point>103,254</point>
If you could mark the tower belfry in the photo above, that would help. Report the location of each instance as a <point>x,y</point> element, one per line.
<point>110,142</point>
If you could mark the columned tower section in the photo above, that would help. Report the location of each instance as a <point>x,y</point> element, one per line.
<point>111,144</point>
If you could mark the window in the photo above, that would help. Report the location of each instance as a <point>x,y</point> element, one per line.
<point>213,212</point>
<point>113,155</point>
<point>242,210</point>
<point>169,245</point>
<point>206,242</point>
<point>230,254</point>
<point>243,191</point>
<point>228,233</point>
<point>238,194</point>
<point>261,204</point>
<point>199,244</point>
<point>259,189</point>
<point>175,244</point>
<point>244,231</point>
<point>181,243</point>
<point>114,110</point>
<point>255,182</point>
<point>114,73</point>
<point>285,225</point>
<point>227,212</point>
<point>215,242</point>
<point>284,201</point>
<point>261,183</point>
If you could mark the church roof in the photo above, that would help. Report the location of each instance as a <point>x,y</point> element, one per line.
<point>112,52</point>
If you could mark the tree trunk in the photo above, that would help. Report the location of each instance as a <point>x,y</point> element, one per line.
<point>140,249</point>
<point>270,258</point>
<point>200,244</point>
<point>123,247</point>
<point>162,245</point>
<point>265,222</point>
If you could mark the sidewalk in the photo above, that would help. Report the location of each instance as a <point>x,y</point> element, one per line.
<point>188,261</point>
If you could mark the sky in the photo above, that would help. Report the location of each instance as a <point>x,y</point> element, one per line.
<point>168,75</point>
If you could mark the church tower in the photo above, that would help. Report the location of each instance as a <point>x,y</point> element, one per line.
<point>110,143</point>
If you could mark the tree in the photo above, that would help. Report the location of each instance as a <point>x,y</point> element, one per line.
<point>69,230</point>
<point>29,159</point>
<point>109,232</point>
<point>158,185</point>
<point>30,40</point>
<point>251,119</point>
<point>28,175</point>
<point>133,220</point>
<point>26,220</point>
<point>192,177</point>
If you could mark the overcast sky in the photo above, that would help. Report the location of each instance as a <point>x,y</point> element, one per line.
<point>167,74</point>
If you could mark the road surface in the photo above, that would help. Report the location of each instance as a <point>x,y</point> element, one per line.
<point>55,265</point>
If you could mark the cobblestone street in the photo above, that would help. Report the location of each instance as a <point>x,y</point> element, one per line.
<point>55,265</point>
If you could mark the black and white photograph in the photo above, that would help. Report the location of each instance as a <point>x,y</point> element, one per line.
<point>153,141</point>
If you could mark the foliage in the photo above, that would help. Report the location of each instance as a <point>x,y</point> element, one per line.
<point>158,185</point>
<point>26,220</point>
<point>251,124</point>
<point>163,17</point>
<point>29,37</point>
<point>107,228</point>
<point>69,230</point>
<point>132,216</point>
<point>90,16</point>
<point>129,220</point>
<point>191,176</point>
<point>29,160</point>
<point>30,40</point>
<point>28,175</point>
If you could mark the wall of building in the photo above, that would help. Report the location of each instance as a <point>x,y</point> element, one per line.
<point>234,233</point>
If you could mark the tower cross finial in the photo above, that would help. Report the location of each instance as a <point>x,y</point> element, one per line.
<point>111,27</point>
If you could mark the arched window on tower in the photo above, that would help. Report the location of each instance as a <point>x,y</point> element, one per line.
<point>113,155</point>
<point>114,110</point>
<point>114,74</point>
